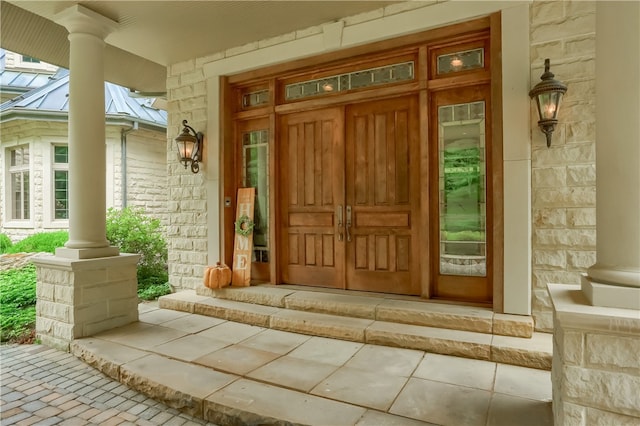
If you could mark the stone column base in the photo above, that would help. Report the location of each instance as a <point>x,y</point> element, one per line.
<point>81,297</point>
<point>596,368</point>
<point>609,295</point>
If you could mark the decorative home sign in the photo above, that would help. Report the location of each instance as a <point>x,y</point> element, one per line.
<point>243,241</point>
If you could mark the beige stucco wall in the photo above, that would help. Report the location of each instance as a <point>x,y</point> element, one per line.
<point>146,172</point>
<point>562,178</point>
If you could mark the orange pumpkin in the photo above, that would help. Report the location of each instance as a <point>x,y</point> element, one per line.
<point>217,276</point>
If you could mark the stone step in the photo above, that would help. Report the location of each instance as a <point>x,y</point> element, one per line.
<point>534,351</point>
<point>379,307</point>
<point>220,397</point>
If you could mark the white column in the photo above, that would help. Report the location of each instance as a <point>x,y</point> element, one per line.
<point>87,150</point>
<point>614,280</point>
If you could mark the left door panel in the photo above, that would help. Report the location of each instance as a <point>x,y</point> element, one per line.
<point>311,185</point>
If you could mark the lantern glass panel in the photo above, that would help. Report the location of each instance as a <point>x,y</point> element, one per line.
<point>548,105</point>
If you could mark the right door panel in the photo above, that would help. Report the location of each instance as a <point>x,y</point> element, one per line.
<point>382,198</point>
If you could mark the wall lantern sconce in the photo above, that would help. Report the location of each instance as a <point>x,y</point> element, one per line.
<point>548,94</point>
<point>190,147</point>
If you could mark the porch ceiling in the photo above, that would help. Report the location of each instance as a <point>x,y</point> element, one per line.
<point>154,34</point>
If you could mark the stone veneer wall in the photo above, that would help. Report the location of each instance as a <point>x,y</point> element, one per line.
<point>146,166</point>
<point>186,229</point>
<point>563,176</point>
<point>596,362</point>
<point>38,135</point>
<point>82,297</point>
<point>146,171</point>
<point>563,181</point>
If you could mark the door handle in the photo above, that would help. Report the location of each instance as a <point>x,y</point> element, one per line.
<point>339,217</point>
<point>348,223</point>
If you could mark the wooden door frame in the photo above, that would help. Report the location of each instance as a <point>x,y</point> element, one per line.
<point>270,76</point>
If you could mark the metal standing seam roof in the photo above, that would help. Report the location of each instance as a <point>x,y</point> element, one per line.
<point>23,80</point>
<point>53,99</point>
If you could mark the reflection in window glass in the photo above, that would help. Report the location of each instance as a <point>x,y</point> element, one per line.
<point>255,153</point>
<point>349,81</point>
<point>462,191</point>
<point>254,99</point>
<point>461,61</point>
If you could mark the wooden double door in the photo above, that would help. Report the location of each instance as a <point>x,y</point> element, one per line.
<point>349,197</point>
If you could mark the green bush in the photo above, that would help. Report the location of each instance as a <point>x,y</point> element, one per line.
<point>153,291</point>
<point>40,242</point>
<point>5,243</point>
<point>134,232</point>
<point>17,303</point>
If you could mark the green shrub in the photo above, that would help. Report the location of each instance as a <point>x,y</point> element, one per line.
<point>134,232</point>
<point>154,291</point>
<point>5,243</point>
<point>40,242</point>
<point>17,303</point>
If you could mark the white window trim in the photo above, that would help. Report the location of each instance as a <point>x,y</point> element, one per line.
<point>10,222</point>
<point>48,217</point>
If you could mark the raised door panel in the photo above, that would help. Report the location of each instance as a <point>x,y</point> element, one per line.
<point>311,182</point>
<point>381,187</point>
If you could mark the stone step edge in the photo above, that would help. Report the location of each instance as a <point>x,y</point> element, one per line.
<point>501,324</point>
<point>183,402</point>
<point>466,344</point>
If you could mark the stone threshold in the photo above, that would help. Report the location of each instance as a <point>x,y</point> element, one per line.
<point>380,307</point>
<point>376,320</point>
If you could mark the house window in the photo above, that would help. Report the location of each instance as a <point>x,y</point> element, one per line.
<point>61,182</point>
<point>19,183</point>
<point>462,195</point>
<point>461,61</point>
<point>30,59</point>
<point>352,80</point>
<point>255,154</point>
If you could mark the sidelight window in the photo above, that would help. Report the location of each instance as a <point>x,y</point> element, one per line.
<point>462,189</point>
<point>255,174</point>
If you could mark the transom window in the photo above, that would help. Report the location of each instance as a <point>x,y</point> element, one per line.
<point>352,80</point>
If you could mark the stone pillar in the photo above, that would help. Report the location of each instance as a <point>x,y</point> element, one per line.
<point>614,280</point>
<point>595,373</point>
<point>87,287</point>
<point>81,297</point>
<point>87,150</point>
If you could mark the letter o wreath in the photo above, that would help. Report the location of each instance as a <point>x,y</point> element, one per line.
<point>244,226</point>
